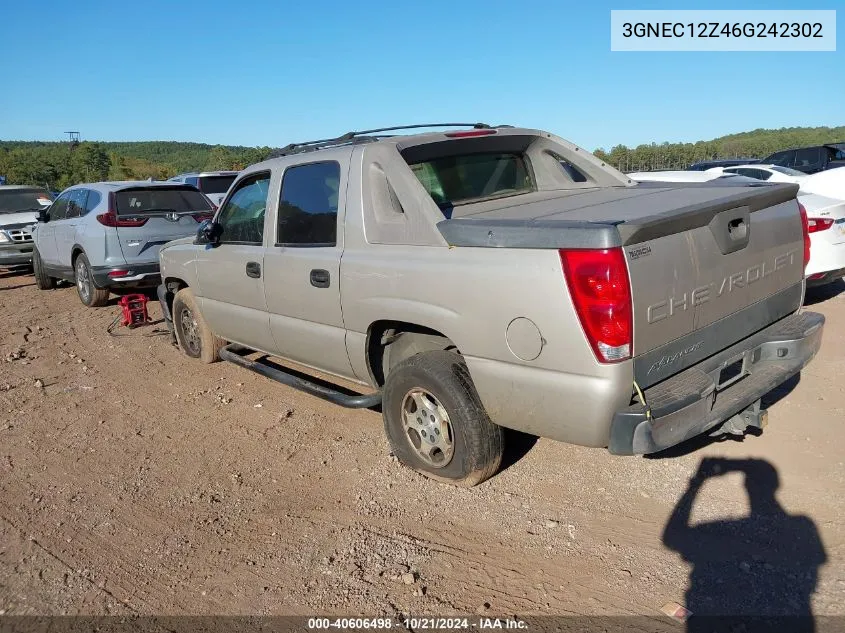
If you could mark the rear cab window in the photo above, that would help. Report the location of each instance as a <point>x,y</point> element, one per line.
<point>463,178</point>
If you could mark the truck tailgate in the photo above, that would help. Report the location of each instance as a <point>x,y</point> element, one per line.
<point>709,263</point>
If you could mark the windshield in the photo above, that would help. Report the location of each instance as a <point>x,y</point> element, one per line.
<point>461,178</point>
<point>156,199</point>
<point>216,184</point>
<point>787,171</point>
<point>17,200</point>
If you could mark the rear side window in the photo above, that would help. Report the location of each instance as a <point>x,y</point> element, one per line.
<point>461,178</point>
<point>160,199</point>
<point>308,205</point>
<point>215,184</point>
<point>94,198</point>
<point>76,203</point>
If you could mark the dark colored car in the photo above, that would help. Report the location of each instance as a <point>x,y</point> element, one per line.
<point>704,165</point>
<point>810,160</point>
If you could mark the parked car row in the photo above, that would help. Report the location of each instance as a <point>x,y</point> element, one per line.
<point>806,160</point>
<point>468,281</point>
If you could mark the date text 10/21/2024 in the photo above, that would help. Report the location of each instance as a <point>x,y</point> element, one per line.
<point>416,624</point>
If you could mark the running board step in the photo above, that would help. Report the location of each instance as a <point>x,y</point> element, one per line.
<point>236,354</point>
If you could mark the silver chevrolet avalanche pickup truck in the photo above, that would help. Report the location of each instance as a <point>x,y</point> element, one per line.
<point>489,277</point>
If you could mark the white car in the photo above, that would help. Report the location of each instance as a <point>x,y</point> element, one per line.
<point>826,224</point>
<point>770,173</point>
<point>682,176</point>
<point>829,183</point>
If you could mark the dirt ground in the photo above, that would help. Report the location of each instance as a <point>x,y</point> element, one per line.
<point>136,481</point>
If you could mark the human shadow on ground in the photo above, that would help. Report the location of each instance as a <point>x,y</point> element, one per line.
<point>756,573</point>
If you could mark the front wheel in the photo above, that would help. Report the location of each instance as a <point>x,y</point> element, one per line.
<point>194,336</point>
<point>89,294</point>
<point>42,280</point>
<point>436,423</point>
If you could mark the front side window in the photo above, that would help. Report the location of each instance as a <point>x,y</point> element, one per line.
<point>308,205</point>
<point>242,216</point>
<point>58,211</point>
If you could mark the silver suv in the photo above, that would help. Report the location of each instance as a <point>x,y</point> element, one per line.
<point>213,184</point>
<point>107,235</point>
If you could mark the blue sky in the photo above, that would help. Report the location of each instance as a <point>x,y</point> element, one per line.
<point>268,72</point>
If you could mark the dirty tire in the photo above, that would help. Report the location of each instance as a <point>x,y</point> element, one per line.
<point>477,444</point>
<point>89,294</point>
<point>194,336</point>
<point>42,280</point>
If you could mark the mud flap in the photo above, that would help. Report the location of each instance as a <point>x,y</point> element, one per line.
<point>161,292</point>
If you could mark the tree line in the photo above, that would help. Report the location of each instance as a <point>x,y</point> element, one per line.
<point>57,165</point>
<point>755,144</point>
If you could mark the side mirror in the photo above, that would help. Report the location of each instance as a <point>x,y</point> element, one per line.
<point>208,232</point>
<point>44,215</point>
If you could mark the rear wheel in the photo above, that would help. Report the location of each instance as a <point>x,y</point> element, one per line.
<point>436,423</point>
<point>192,332</point>
<point>42,280</point>
<point>89,294</point>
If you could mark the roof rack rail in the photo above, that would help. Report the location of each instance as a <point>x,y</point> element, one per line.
<point>363,136</point>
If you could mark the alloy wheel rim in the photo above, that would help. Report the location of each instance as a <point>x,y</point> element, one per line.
<point>83,281</point>
<point>190,330</point>
<point>427,428</point>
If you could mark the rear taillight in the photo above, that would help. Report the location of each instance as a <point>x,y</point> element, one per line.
<point>201,217</point>
<point>598,283</point>
<point>805,227</point>
<point>110,218</point>
<point>814,225</point>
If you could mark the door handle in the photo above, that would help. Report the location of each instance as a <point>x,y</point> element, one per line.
<point>320,278</point>
<point>253,269</point>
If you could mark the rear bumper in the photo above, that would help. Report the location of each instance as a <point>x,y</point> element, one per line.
<point>16,254</point>
<point>136,275</point>
<point>820,279</point>
<point>693,401</point>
